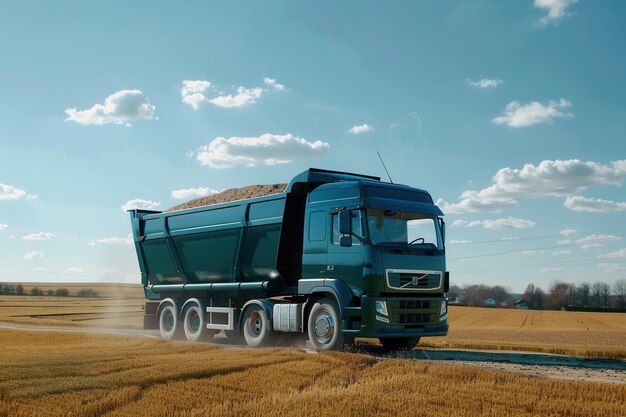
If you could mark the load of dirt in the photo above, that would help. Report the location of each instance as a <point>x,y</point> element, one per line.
<point>232,194</point>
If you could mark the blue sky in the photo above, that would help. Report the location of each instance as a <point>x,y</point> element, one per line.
<point>510,113</point>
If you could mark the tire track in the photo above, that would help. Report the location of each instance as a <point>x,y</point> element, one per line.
<point>533,364</point>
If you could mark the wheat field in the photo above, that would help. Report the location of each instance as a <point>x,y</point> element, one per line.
<point>560,332</point>
<point>57,374</point>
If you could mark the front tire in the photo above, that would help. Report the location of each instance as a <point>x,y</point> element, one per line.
<point>324,325</point>
<point>399,343</point>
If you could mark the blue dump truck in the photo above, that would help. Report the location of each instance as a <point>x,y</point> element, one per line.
<point>335,256</point>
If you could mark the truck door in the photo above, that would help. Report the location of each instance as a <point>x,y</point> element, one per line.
<point>346,262</point>
<point>315,250</point>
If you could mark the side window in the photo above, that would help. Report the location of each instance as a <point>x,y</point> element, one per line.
<point>317,226</point>
<point>356,227</point>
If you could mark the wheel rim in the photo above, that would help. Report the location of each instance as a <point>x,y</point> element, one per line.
<point>324,326</point>
<point>193,323</point>
<point>255,324</point>
<point>168,320</point>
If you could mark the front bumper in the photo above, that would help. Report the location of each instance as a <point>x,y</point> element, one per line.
<point>406,317</point>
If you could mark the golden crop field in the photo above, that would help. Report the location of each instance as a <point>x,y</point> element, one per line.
<point>116,305</point>
<point>52,374</point>
<point>560,332</point>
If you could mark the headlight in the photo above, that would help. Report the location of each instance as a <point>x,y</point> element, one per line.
<point>381,307</point>
<point>444,309</point>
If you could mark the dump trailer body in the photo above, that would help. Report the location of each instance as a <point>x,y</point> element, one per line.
<point>215,248</point>
<point>336,238</point>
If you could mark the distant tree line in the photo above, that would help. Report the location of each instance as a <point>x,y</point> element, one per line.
<point>560,295</point>
<point>13,289</point>
<point>563,295</point>
<point>476,295</point>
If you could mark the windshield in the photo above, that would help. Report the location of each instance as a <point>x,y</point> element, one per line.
<point>403,228</point>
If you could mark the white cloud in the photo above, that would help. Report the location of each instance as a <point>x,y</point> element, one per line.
<point>75,269</point>
<point>119,108</point>
<point>611,267</point>
<point>268,149</point>
<point>517,115</point>
<point>39,236</point>
<point>557,9</point>
<point>109,271</point>
<point>196,100</point>
<point>194,94</point>
<point>271,82</point>
<point>138,203</point>
<point>8,192</point>
<point>563,241</point>
<point>194,86</point>
<point>243,97</point>
<point>497,224</point>
<point>29,256</point>
<point>529,252</point>
<point>568,232</point>
<point>3,226</point>
<point>554,269</point>
<point>595,241</point>
<point>561,252</point>
<point>195,192</point>
<point>364,128</point>
<point>510,238</point>
<point>593,205</point>
<point>549,178</point>
<point>621,253</point>
<point>128,240</point>
<point>484,83</point>
<point>460,242</point>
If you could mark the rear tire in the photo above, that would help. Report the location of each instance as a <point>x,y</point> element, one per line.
<point>324,325</point>
<point>399,343</point>
<point>194,323</point>
<point>169,322</point>
<point>256,329</point>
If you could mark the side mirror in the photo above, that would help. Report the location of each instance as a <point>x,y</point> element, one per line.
<point>345,223</point>
<point>345,241</point>
<point>442,225</point>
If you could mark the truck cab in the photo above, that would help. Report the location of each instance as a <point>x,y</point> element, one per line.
<point>384,244</point>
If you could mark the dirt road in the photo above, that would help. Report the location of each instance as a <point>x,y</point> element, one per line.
<point>529,364</point>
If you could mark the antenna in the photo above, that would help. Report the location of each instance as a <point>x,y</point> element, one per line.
<point>382,162</point>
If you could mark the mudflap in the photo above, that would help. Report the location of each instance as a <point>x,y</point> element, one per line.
<point>150,316</point>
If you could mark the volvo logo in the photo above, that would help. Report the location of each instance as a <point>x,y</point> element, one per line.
<point>416,279</point>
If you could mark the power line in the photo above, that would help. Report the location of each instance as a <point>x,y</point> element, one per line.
<point>530,266</point>
<point>576,234</point>
<point>565,245</point>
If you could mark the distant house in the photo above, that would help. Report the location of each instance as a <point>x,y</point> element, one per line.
<point>489,302</point>
<point>521,305</point>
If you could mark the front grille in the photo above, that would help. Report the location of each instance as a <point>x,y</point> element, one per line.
<point>415,318</point>
<point>414,280</point>
<point>413,305</point>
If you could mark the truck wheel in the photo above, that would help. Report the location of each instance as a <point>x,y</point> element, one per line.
<point>398,343</point>
<point>169,322</point>
<point>256,326</point>
<point>194,323</point>
<point>324,325</point>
